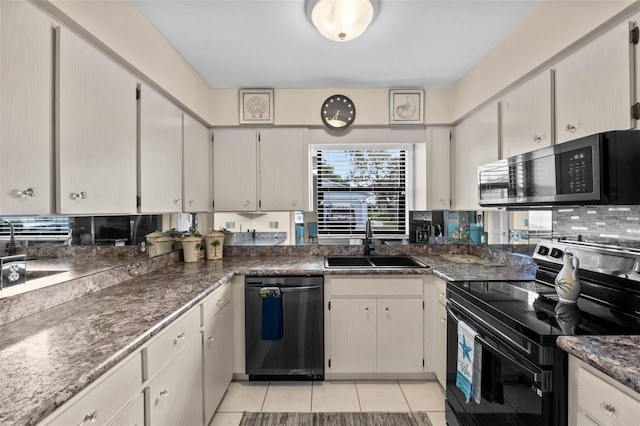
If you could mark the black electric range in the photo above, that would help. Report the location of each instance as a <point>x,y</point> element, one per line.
<point>518,322</point>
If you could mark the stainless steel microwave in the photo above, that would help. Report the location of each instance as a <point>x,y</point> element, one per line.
<point>603,168</point>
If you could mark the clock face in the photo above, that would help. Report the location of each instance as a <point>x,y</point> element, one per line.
<point>338,112</point>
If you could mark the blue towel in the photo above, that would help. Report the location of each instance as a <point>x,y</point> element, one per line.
<point>466,357</point>
<point>272,325</point>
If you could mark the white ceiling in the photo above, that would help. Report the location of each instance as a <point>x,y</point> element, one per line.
<point>271,43</point>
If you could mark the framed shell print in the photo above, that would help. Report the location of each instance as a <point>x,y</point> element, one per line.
<point>256,106</point>
<point>406,106</point>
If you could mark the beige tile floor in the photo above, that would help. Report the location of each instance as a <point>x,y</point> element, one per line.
<point>331,396</point>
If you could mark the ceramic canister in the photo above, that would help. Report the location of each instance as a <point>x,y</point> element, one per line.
<point>214,242</point>
<point>191,246</point>
<point>151,242</point>
<point>164,245</point>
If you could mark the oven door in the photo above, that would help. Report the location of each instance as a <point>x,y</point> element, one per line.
<point>514,391</point>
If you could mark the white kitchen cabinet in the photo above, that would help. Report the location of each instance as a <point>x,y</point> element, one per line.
<point>597,399</point>
<point>375,324</point>
<point>438,340</point>
<point>283,156</point>
<point>218,359</point>
<point>26,99</point>
<point>353,335</point>
<point>95,130</point>
<point>259,169</point>
<point>526,116</point>
<point>175,394</point>
<point>475,143</point>
<point>431,170</point>
<point>593,87</point>
<point>160,153</point>
<point>104,399</point>
<point>235,170</point>
<point>196,172</point>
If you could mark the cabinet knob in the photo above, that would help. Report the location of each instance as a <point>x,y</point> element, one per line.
<point>570,128</point>
<point>176,201</point>
<point>538,138</point>
<point>220,302</point>
<point>90,418</point>
<point>366,309</point>
<point>386,309</point>
<point>190,202</point>
<point>178,337</point>
<point>294,202</point>
<point>162,393</point>
<point>29,192</point>
<point>79,195</point>
<point>610,409</point>
<point>210,339</point>
<point>246,203</point>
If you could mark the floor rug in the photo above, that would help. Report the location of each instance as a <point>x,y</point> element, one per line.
<point>335,419</point>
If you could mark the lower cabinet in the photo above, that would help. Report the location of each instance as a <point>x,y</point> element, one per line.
<point>376,324</point>
<point>218,359</point>
<point>175,393</point>
<point>597,399</point>
<point>177,378</point>
<point>439,327</point>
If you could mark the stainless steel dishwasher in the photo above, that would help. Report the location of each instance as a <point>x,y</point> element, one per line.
<point>284,327</point>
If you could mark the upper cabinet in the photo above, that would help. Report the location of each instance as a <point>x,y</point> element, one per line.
<point>26,99</point>
<point>593,87</point>
<point>95,130</point>
<point>235,170</point>
<point>527,116</point>
<point>283,155</point>
<point>160,153</point>
<point>475,143</point>
<point>196,173</point>
<point>438,166</point>
<point>269,178</point>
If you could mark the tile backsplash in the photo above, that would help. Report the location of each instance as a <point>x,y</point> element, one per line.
<point>600,224</point>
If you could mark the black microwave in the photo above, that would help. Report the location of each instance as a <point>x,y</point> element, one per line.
<point>603,168</point>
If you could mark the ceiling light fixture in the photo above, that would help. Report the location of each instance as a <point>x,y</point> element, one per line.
<point>342,20</point>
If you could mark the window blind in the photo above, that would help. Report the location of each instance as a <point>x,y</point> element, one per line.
<point>55,228</point>
<point>354,185</point>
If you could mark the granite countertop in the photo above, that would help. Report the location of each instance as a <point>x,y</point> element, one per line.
<point>616,356</point>
<point>50,356</point>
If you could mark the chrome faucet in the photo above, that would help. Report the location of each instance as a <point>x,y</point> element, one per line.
<point>11,250</point>
<point>369,244</point>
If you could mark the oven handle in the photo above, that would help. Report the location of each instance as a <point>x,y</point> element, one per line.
<point>285,289</point>
<point>542,378</point>
<point>489,326</point>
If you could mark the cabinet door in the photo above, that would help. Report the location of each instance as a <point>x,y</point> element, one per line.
<point>160,151</point>
<point>235,170</point>
<point>175,394</point>
<point>475,143</point>
<point>96,130</point>
<point>399,335</point>
<point>593,87</point>
<point>196,176</point>
<point>353,335</point>
<point>26,90</point>
<point>439,166</point>
<point>282,169</point>
<point>218,359</point>
<point>526,116</point>
<point>132,415</point>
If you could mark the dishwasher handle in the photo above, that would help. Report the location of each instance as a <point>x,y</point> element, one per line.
<point>285,289</point>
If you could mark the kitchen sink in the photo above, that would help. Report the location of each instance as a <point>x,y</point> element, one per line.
<point>372,262</point>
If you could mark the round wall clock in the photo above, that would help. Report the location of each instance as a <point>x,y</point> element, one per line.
<point>338,112</point>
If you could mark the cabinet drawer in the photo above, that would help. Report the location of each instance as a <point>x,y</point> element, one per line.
<point>105,398</point>
<point>133,415</point>
<point>216,301</point>
<point>377,286</point>
<point>603,402</point>
<point>167,344</point>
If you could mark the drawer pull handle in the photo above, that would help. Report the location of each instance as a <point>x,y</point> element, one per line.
<point>610,409</point>
<point>162,393</point>
<point>91,418</point>
<point>179,337</point>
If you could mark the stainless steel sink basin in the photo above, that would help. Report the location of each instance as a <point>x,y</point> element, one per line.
<point>372,262</point>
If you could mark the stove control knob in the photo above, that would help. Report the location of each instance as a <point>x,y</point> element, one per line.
<point>557,253</point>
<point>543,250</point>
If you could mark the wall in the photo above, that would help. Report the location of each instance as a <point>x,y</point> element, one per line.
<point>619,225</point>
<point>121,29</point>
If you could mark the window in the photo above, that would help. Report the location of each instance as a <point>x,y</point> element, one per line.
<point>36,228</point>
<point>355,184</point>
